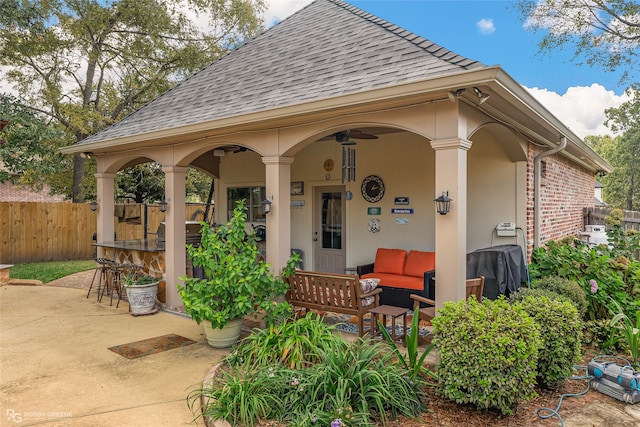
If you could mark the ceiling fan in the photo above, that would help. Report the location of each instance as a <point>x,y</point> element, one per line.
<point>344,137</point>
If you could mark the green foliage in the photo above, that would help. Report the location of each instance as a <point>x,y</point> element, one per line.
<point>523,293</point>
<point>601,33</point>
<point>138,279</point>
<point>488,353</point>
<point>51,270</point>
<point>567,288</point>
<point>561,337</point>
<point>595,270</point>
<point>30,152</point>
<point>87,64</point>
<point>237,281</point>
<point>357,382</point>
<point>413,362</point>
<point>141,183</point>
<point>293,343</point>
<point>597,333</point>
<point>629,329</point>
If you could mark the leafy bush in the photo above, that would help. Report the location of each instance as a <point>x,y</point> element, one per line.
<point>560,333</point>
<point>566,287</point>
<point>358,383</point>
<point>598,333</point>
<point>599,274</point>
<point>523,293</point>
<point>488,353</point>
<point>294,343</point>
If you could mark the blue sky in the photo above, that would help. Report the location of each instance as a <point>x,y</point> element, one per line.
<point>492,32</point>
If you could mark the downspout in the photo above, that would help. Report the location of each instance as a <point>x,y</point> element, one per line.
<point>536,188</point>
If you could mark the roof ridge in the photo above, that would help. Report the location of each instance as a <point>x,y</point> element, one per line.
<point>416,39</point>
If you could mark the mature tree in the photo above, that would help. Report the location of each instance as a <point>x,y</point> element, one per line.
<point>625,156</point>
<point>602,33</point>
<point>29,144</point>
<point>87,63</point>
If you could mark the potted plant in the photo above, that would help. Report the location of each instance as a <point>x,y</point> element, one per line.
<point>142,291</point>
<point>237,281</point>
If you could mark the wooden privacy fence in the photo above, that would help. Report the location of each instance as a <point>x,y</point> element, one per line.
<point>34,232</point>
<point>596,216</point>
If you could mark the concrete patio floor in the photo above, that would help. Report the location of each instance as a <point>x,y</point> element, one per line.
<point>56,369</point>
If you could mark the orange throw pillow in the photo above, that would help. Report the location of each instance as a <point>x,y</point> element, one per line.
<point>389,261</point>
<point>418,262</point>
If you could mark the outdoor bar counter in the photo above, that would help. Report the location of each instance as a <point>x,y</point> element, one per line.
<point>148,253</point>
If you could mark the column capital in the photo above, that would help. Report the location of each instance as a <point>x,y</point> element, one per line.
<point>277,160</point>
<point>175,169</point>
<point>451,143</point>
<point>105,175</point>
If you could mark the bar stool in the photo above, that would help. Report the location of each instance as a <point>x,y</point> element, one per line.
<point>102,271</point>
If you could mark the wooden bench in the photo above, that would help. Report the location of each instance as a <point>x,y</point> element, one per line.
<point>338,293</point>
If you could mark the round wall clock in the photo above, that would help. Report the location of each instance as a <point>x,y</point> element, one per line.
<point>372,188</point>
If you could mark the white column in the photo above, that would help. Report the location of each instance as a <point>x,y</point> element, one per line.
<point>175,243</point>
<point>105,188</point>
<point>278,188</point>
<point>451,229</point>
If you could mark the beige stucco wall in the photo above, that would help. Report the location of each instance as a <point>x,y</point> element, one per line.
<point>406,163</point>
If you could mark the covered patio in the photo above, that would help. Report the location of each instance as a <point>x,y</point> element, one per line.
<point>275,111</point>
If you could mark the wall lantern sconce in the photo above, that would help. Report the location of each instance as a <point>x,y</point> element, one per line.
<point>93,206</point>
<point>163,205</point>
<point>266,206</point>
<point>443,203</point>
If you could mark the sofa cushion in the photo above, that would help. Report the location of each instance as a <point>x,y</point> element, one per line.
<point>418,262</point>
<point>397,281</point>
<point>389,261</point>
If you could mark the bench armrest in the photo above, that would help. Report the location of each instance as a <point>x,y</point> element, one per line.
<point>376,291</point>
<point>420,299</point>
<point>364,269</point>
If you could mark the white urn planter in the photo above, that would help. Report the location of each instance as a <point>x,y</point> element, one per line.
<point>225,337</point>
<point>142,298</point>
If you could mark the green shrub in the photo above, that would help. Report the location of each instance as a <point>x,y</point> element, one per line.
<point>566,287</point>
<point>359,383</point>
<point>294,343</point>
<point>488,353</point>
<point>523,293</point>
<point>561,337</point>
<point>597,333</point>
<point>602,272</point>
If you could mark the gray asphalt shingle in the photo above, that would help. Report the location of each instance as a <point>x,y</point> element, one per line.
<point>330,48</point>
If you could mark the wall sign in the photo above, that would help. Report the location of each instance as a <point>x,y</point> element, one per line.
<point>403,200</point>
<point>402,211</point>
<point>374,211</point>
<point>402,221</point>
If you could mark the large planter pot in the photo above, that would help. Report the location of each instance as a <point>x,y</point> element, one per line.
<point>142,298</point>
<point>225,337</point>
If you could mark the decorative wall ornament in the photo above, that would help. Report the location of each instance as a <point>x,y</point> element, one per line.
<point>374,225</point>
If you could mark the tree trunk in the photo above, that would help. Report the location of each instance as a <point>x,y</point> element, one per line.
<point>78,176</point>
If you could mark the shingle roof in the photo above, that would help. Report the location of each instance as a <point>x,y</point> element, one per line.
<point>329,48</point>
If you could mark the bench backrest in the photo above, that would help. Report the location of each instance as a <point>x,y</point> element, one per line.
<point>325,289</point>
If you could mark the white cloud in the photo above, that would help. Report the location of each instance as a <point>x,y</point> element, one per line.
<point>277,10</point>
<point>581,108</point>
<point>486,26</point>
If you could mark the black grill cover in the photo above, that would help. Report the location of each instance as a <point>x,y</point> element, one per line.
<point>503,268</point>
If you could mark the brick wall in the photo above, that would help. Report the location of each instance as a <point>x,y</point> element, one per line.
<point>17,193</point>
<point>566,189</point>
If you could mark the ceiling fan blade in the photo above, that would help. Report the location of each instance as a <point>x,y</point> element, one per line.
<point>358,134</point>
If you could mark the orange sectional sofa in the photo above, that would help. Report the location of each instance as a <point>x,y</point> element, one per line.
<point>401,274</point>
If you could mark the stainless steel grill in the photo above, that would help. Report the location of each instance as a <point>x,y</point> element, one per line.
<point>192,231</point>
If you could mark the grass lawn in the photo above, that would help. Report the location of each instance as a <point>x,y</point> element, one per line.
<point>48,271</point>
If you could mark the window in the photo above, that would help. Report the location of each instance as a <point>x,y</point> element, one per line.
<point>253,196</point>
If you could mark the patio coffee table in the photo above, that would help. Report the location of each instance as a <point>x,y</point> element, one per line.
<point>394,313</point>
